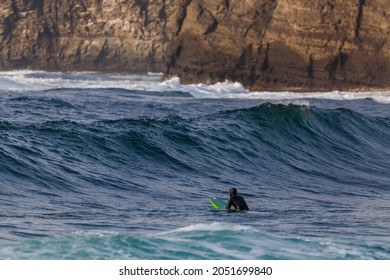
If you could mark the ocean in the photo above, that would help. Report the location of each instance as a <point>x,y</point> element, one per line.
<point>103,166</point>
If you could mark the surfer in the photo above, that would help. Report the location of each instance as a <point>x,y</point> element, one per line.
<point>237,201</point>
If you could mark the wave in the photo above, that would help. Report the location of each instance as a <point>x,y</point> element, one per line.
<point>236,90</point>
<point>199,241</point>
<point>86,166</point>
<point>43,81</point>
<point>298,141</point>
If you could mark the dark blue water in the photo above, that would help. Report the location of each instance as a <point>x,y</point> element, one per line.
<point>122,167</point>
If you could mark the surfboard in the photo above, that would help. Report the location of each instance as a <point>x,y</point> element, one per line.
<point>218,203</point>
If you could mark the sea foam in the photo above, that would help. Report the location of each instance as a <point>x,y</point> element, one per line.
<point>27,80</point>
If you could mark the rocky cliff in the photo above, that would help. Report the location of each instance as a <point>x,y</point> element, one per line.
<point>284,44</point>
<point>103,35</point>
<point>265,44</point>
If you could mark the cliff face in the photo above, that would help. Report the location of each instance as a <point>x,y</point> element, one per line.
<point>284,44</point>
<point>120,36</point>
<point>265,44</point>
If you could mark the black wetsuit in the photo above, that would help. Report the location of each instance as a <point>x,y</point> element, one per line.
<point>238,202</point>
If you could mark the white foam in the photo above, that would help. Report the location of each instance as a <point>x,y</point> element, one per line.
<point>215,226</point>
<point>38,80</point>
<point>236,90</point>
<point>229,89</point>
<point>219,90</point>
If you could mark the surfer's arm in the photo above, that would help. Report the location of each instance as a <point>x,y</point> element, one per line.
<point>230,203</point>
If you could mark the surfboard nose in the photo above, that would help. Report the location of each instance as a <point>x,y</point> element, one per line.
<point>218,203</point>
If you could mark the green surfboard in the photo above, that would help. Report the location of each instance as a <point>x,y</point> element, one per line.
<point>218,203</point>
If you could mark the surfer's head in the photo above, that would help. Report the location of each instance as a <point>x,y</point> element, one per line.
<point>233,191</point>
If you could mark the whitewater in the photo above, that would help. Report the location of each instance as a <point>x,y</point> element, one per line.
<point>104,166</point>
